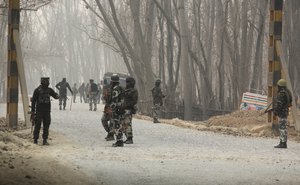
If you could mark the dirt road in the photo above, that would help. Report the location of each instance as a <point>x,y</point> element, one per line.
<point>165,154</point>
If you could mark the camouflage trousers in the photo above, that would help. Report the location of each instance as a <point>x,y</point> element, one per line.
<point>106,117</point>
<point>93,100</point>
<point>155,111</point>
<point>127,124</point>
<point>118,128</point>
<point>283,129</point>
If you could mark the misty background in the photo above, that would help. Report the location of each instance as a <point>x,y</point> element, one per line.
<point>206,52</point>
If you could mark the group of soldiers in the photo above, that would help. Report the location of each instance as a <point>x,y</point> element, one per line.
<point>89,93</point>
<point>120,105</point>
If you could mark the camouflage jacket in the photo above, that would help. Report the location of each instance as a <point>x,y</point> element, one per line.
<point>117,96</point>
<point>130,98</point>
<point>157,95</point>
<point>282,103</point>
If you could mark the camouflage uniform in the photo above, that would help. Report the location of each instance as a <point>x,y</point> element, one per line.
<point>129,105</point>
<point>157,96</point>
<point>107,125</point>
<point>117,113</point>
<point>281,109</point>
<point>93,93</point>
<point>62,87</point>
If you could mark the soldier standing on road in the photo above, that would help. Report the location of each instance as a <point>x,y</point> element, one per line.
<point>129,106</point>
<point>157,96</point>
<point>75,91</point>
<point>81,91</point>
<point>117,112</point>
<point>281,109</point>
<point>40,109</point>
<point>93,93</point>
<point>62,87</point>
<point>107,113</point>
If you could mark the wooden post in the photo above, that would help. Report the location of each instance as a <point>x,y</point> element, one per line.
<point>274,72</point>
<point>289,84</point>
<point>22,77</point>
<point>12,69</point>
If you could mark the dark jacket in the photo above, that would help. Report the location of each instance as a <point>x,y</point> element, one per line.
<point>62,88</point>
<point>157,95</point>
<point>41,99</point>
<point>282,103</point>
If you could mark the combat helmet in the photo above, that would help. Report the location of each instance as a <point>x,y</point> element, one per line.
<point>114,78</point>
<point>45,81</point>
<point>157,82</point>
<point>281,83</point>
<point>130,80</point>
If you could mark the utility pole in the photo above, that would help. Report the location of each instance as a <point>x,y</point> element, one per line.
<point>12,69</point>
<point>274,73</point>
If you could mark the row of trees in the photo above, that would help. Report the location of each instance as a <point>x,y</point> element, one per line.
<point>206,52</point>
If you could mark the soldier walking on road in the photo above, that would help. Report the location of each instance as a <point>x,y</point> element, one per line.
<point>129,106</point>
<point>281,109</point>
<point>157,96</point>
<point>62,87</point>
<point>93,93</point>
<point>75,91</point>
<point>40,109</point>
<point>81,91</point>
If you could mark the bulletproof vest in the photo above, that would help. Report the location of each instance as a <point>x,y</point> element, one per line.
<point>94,87</point>
<point>44,96</point>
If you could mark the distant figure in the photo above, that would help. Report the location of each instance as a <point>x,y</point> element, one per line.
<point>40,109</point>
<point>157,96</point>
<point>93,93</point>
<point>99,93</point>
<point>81,91</point>
<point>75,91</point>
<point>281,109</point>
<point>87,92</point>
<point>62,87</point>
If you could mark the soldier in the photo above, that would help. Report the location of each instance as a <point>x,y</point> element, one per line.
<point>129,106</point>
<point>106,97</point>
<point>281,109</point>
<point>157,96</point>
<point>62,88</point>
<point>81,91</point>
<point>93,93</point>
<point>75,91</point>
<point>99,93</point>
<point>117,112</point>
<point>40,109</point>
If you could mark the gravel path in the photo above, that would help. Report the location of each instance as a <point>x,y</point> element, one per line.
<point>165,154</point>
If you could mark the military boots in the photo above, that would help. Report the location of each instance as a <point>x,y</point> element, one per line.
<point>45,142</point>
<point>281,145</point>
<point>129,140</point>
<point>118,144</point>
<point>110,137</point>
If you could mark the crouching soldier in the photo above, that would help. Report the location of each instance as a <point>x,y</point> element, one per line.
<point>129,106</point>
<point>40,109</point>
